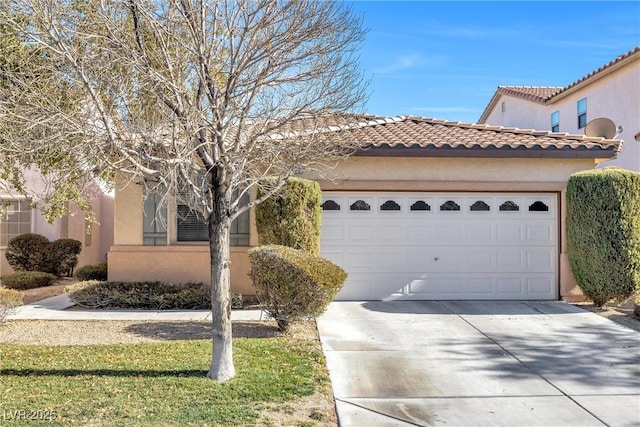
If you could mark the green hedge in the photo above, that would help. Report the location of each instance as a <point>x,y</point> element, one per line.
<point>28,252</point>
<point>293,284</point>
<point>140,295</point>
<point>603,232</point>
<point>292,216</point>
<point>34,252</point>
<point>92,272</point>
<point>24,280</point>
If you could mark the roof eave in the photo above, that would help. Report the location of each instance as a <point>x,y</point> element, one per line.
<point>528,153</point>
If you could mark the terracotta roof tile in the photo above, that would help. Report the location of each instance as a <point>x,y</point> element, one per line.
<point>532,93</point>
<point>424,134</point>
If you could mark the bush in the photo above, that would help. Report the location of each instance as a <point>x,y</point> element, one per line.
<point>63,256</point>
<point>292,216</point>
<point>603,232</point>
<point>293,284</point>
<point>23,280</point>
<point>140,295</point>
<point>92,272</point>
<point>34,252</point>
<point>28,252</point>
<point>9,300</point>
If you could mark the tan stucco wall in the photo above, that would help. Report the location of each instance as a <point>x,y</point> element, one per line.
<point>129,260</point>
<point>177,264</point>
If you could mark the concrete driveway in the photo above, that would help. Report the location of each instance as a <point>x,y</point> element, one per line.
<point>474,363</point>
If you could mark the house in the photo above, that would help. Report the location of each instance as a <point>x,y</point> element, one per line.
<point>428,209</point>
<point>20,218</point>
<point>612,91</point>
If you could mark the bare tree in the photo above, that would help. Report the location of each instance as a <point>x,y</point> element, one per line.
<point>198,98</point>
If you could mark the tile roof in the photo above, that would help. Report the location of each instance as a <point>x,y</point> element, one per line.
<point>543,95</point>
<point>532,93</point>
<point>420,136</point>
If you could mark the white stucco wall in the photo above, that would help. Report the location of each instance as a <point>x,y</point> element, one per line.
<point>615,96</point>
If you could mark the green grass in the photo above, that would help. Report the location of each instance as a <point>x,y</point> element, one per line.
<point>155,384</point>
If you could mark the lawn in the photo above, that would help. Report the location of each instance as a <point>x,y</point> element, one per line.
<point>155,383</point>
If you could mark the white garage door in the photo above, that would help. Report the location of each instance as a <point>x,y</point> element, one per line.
<point>442,245</point>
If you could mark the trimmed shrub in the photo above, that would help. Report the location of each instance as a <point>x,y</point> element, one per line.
<point>9,300</point>
<point>292,216</point>
<point>293,284</point>
<point>28,252</point>
<point>63,256</point>
<point>140,295</point>
<point>603,232</point>
<point>24,280</point>
<point>92,272</point>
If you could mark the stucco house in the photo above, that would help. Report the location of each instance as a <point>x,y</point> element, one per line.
<point>20,218</point>
<point>428,209</point>
<point>611,91</point>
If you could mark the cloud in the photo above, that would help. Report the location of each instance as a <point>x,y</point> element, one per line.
<point>400,63</point>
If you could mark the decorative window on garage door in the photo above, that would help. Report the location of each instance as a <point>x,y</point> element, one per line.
<point>420,205</point>
<point>449,205</point>
<point>538,207</point>
<point>509,206</point>
<point>480,206</point>
<point>330,205</point>
<point>360,205</point>
<point>390,205</point>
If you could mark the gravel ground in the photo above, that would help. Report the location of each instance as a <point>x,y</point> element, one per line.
<point>90,332</point>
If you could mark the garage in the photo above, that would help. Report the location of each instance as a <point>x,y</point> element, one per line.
<point>443,245</point>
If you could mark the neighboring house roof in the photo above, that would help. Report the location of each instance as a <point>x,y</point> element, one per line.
<point>549,95</point>
<point>408,136</point>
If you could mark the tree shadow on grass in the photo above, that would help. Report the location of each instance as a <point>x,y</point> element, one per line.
<point>190,330</point>
<point>132,373</point>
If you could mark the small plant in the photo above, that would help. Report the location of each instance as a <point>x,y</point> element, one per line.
<point>292,284</point>
<point>237,301</point>
<point>24,280</point>
<point>9,300</point>
<point>140,295</point>
<point>92,272</point>
<point>63,256</point>
<point>28,252</point>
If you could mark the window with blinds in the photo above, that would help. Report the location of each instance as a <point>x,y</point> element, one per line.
<point>192,226</point>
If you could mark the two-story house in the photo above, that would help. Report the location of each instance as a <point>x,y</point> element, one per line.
<point>612,91</point>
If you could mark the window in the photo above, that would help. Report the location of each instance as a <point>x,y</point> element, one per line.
<point>192,226</point>
<point>555,121</point>
<point>154,229</point>
<point>582,113</point>
<point>15,221</point>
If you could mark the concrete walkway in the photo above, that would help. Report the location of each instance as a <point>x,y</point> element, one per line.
<point>473,363</point>
<point>55,308</point>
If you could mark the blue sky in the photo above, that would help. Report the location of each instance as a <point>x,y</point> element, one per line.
<point>446,59</point>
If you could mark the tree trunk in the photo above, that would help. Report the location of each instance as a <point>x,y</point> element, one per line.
<point>222,368</point>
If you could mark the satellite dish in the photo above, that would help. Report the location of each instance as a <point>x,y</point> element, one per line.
<point>602,128</point>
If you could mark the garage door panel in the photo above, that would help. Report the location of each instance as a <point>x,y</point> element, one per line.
<point>479,232</point>
<point>539,233</point>
<point>509,232</point>
<point>493,247</point>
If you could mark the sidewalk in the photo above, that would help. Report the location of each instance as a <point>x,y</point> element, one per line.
<point>55,308</point>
